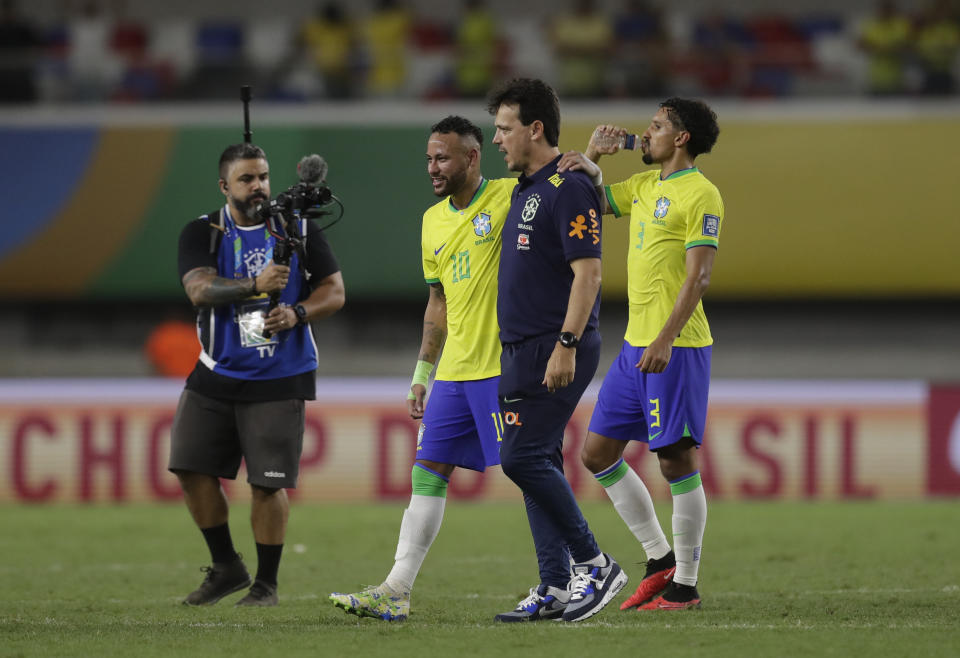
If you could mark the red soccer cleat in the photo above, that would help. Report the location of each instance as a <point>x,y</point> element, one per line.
<point>659,575</point>
<point>677,597</point>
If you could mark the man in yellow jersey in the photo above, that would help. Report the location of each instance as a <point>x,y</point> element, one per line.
<point>460,244</point>
<point>656,390</point>
<point>886,39</point>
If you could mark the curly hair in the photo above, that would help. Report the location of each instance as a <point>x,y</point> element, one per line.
<point>696,118</point>
<point>459,125</point>
<point>535,100</point>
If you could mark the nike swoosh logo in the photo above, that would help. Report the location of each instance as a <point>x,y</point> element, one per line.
<point>509,400</point>
<point>437,250</point>
<point>654,436</point>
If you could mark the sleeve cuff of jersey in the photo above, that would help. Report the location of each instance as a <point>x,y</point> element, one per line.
<point>701,243</point>
<point>583,253</point>
<point>432,280</point>
<point>613,205</point>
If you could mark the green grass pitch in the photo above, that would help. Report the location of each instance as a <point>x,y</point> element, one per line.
<point>777,579</point>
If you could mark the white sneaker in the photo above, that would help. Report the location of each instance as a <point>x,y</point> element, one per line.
<point>592,588</point>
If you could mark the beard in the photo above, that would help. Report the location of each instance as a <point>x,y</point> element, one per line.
<point>451,184</point>
<point>647,158</point>
<point>249,205</point>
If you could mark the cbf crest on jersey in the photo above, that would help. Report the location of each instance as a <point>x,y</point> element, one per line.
<point>663,205</point>
<point>255,260</point>
<point>481,224</point>
<point>530,208</point>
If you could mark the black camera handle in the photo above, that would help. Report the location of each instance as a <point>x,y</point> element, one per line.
<point>288,241</point>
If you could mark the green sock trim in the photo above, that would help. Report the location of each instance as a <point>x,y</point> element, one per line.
<point>427,483</point>
<point>612,477</point>
<point>686,484</point>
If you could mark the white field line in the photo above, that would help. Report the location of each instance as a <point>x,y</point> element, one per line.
<point>474,596</point>
<point>690,621</point>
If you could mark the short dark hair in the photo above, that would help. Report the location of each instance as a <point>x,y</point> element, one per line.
<point>696,118</point>
<point>244,151</point>
<point>459,125</point>
<point>535,100</point>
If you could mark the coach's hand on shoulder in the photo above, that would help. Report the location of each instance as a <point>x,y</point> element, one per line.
<point>577,161</point>
<point>273,278</point>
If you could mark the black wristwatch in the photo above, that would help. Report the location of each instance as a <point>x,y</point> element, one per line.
<point>569,339</point>
<point>301,313</point>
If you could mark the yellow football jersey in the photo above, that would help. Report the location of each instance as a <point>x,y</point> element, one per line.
<point>667,217</point>
<point>461,251</point>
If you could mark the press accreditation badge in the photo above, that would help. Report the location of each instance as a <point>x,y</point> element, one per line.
<point>251,318</point>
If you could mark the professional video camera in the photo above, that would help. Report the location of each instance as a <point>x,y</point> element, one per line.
<point>309,198</point>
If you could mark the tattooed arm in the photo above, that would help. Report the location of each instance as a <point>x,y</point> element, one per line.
<point>205,288</point>
<point>434,336</point>
<point>434,325</point>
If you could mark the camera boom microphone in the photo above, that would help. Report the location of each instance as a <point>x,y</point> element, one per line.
<point>312,169</point>
<point>245,99</point>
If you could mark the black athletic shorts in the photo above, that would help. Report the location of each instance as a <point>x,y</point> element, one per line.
<point>210,436</point>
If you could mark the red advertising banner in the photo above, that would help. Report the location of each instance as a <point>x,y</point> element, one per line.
<point>943,463</point>
<point>95,441</point>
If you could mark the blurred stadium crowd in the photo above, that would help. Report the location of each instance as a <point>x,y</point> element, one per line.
<point>127,52</point>
<point>131,53</point>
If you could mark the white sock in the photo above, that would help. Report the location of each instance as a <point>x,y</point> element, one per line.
<point>634,505</point>
<point>420,525</point>
<point>599,561</point>
<point>689,520</point>
<point>561,595</point>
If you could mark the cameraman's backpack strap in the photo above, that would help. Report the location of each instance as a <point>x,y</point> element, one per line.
<point>216,230</point>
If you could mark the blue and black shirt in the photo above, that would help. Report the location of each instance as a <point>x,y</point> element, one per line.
<point>237,362</point>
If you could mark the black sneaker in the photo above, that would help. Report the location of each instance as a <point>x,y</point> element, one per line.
<point>223,578</point>
<point>538,606</point>
<point>261,593</point>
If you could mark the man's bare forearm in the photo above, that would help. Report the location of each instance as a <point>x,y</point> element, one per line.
<point>205,288</point>
<point>434,326</point>
<point>433,339</point>
<point>583,294</point>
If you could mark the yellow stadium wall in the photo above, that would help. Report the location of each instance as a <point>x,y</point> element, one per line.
<point>819,207</point>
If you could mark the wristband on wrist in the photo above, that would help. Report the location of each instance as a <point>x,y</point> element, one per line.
<point>598,180</point>
<point>421,375</point>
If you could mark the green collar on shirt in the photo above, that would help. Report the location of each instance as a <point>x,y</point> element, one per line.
<point>483,186</point>
<point>681,172</point>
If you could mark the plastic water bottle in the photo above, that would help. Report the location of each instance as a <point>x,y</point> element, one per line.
<point>627,142</point>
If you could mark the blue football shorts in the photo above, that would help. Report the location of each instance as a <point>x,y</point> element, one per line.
<point>461,424</point>
<point>657,408</point>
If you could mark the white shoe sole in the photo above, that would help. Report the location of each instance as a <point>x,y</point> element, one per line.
<point>618,582</point>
